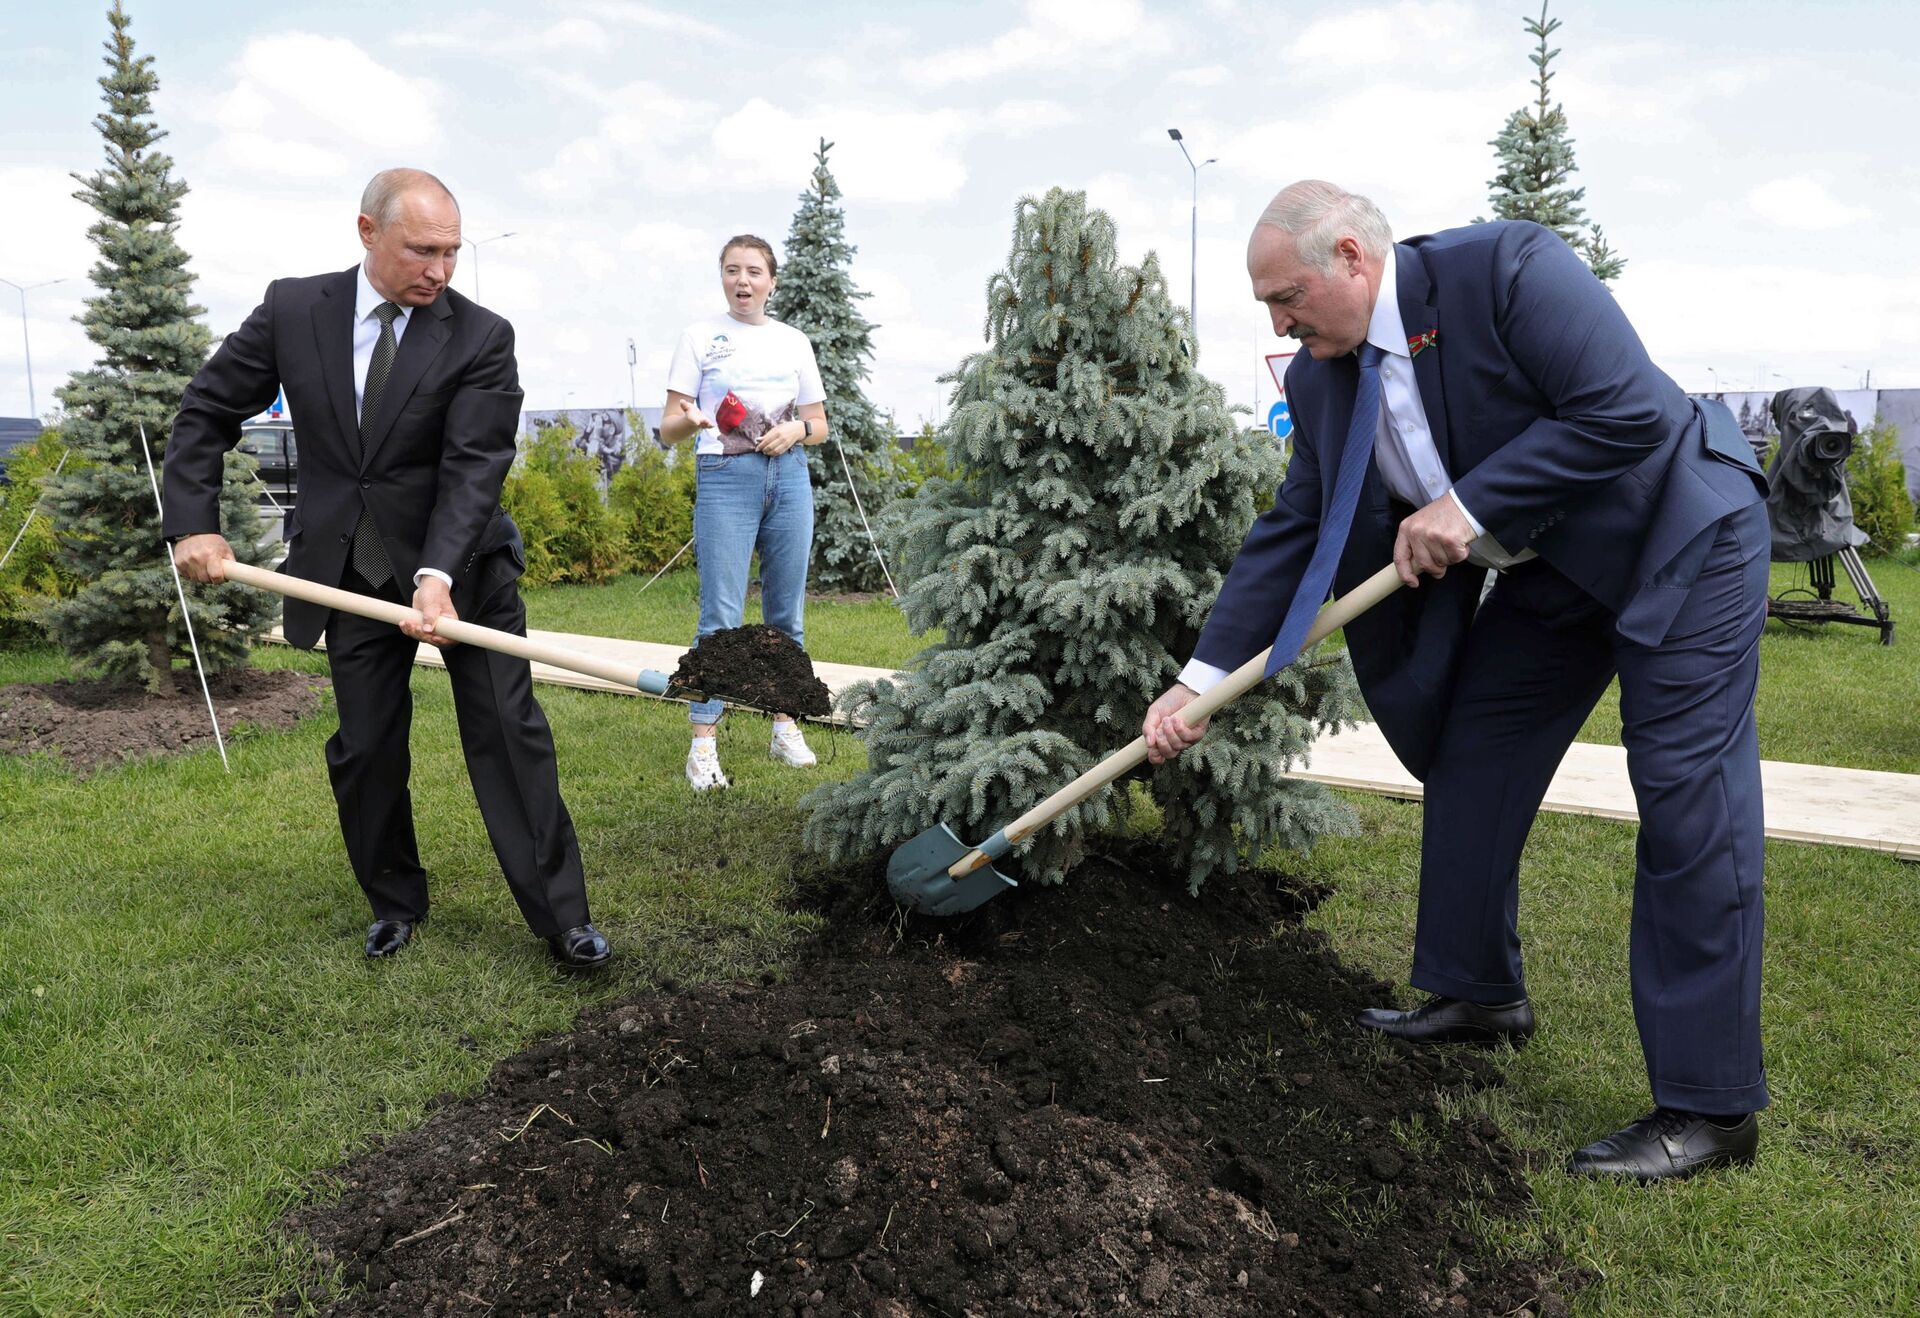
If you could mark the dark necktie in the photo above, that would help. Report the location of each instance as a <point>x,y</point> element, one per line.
<point>369,554</point>
<point>1352,474</point>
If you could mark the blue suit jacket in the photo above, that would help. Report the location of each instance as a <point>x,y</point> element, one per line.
<point>1561,436</point>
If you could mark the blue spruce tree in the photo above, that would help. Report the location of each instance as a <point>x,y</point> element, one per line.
<point>1102,490</point>
<point>1536,163</point>
<point>124,623</point>
<point>818,297</point>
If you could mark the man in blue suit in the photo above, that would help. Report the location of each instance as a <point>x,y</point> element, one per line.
<point>1507,417</point>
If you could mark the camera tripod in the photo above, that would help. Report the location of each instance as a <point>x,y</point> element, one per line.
<point>1824,607</point>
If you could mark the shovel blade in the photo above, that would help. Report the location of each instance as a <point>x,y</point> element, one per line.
<point>917,875</point>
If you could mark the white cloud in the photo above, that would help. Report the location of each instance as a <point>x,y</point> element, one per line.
<point>1801,202</point>
<point>1431,34</point>
<point>512,37</point>
<point>44,230</point>
<point>1370,140</point>
<point>1206,75</point>
<point>626,14</point>
<point>1104,33</point>
<point>881,153</point>
<point>302,106</point>
<point>1771,310</point>
<point>1017,118</point>
<point>668,242</point>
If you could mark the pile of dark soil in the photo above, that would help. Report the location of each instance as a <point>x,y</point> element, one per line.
<point>758,666</point>
<point>93,724</point>
<point>1086,1100</point>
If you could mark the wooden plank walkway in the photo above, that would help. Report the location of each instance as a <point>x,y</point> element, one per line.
<point>1805,802</point>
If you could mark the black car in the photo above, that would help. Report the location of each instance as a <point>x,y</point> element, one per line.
<point>272,442</point>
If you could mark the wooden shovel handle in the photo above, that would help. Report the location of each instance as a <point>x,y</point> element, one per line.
<point>467,633</point>
<point>1335,615</point>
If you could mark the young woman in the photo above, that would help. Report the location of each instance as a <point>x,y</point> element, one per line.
<point>750,388</point>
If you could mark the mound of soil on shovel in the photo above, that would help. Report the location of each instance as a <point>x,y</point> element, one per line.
<point>758,666</point>
<point>94,724</point>
<point>1084,1100</point>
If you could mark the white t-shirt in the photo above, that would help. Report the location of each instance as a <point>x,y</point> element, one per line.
<point>769,367</point>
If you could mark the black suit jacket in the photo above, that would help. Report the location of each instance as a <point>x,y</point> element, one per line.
<point>434,459</point>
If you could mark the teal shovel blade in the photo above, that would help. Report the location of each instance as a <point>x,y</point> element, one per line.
<point>918,879</point>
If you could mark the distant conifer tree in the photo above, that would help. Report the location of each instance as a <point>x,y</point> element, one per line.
<point>124,622</point>
<point>817,296</point>
<point>1536,161</point>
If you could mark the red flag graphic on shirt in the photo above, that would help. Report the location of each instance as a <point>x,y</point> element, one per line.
<point>731,412</point>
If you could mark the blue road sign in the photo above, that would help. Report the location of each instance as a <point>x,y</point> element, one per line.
<point>1280,419</point>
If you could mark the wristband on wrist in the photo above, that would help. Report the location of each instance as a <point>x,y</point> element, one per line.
<point>806,429</point>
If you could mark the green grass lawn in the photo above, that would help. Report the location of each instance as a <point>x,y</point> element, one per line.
<point>871,634</point>
<point>188,1030</point>
<point>1832,694</point>
<point>189,1035</point>
<point>1828,695</point>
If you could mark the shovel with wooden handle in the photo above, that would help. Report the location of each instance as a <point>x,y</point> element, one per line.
<point>936,873</point>
<point>467,633</point>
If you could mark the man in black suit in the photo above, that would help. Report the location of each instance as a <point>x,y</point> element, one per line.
<point>407,399</point>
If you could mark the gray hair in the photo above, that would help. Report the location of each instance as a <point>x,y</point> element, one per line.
<point>381,201</point>
<point>1319,214</point>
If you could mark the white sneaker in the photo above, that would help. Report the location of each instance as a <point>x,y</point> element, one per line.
<point>790,747</point>
<point>703,769</point>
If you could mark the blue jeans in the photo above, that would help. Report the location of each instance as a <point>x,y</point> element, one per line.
<point>746,501</point>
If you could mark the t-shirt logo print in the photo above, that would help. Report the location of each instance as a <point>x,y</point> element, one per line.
<point>742,425</point>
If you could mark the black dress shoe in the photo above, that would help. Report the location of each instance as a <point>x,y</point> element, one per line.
<point>581,949</point>
<point>385,937</point>
<point>1451,1020</point>
<point>1668,1144</point>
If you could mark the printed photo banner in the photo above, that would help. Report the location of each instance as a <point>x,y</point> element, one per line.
<point>602,433</point>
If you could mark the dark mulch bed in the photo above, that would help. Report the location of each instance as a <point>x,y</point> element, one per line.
<point>755,665</point>
<point>1084,1100</point>
<point>93,724</point>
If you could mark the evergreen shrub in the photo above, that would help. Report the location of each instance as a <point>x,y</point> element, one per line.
<point>553,494</point>
<point>34,576</point>
<point>1877,483</point>
<point>1101,491</point>
<point>651,498</point>
<point>124,621</point>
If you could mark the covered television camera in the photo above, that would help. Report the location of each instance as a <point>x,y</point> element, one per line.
<point>1807,499</point>
<point>1812,514</point>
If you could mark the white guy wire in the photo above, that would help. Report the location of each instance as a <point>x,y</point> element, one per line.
<point>670,562</point>
<point>878,556</point>
<point>186,615</point>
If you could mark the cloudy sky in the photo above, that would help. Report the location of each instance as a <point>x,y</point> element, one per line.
<point>1753,160</point>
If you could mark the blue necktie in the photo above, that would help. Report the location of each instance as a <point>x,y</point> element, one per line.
<point>1318,578</point>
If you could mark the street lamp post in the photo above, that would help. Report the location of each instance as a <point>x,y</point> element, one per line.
<point>475,244</point>
<point>1193,257</point>
<point>633,394</point>
<point>33,404</point>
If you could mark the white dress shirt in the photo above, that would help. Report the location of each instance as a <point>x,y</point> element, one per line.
<point>366,334</point>
<point>1403,445</point>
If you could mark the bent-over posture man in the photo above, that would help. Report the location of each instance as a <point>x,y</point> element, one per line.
<point>407,399</point>
<point>1490,406</point>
